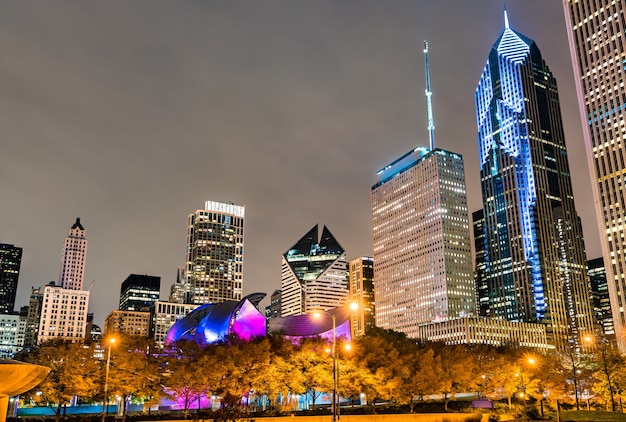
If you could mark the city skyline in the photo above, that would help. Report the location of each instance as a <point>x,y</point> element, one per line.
<point>288,108</point>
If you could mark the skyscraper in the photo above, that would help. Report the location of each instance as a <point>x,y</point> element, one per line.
<point>421,239</point>
<point>535,255</point>
<point>214,261</point>
<point>63,314</point>
<point>139,291</point>
<point>73,260</point>
<point>597,37</point>
<point>361,272</point>
<point>314,274</point>
<point>10,261</point>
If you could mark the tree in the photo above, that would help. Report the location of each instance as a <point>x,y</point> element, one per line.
<point>134,372</point>
<point>73,372</point>
<point>181,381</point>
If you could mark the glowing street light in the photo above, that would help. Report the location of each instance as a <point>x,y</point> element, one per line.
<point>105,401</point>
<point>335,405</point>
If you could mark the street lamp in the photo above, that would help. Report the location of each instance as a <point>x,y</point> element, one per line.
<point>335,405</point>
<point>530,361</point>
<point>105,401</point>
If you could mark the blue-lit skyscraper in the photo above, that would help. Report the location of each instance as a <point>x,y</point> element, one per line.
<point>535,269</point>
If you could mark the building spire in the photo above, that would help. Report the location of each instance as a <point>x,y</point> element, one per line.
<point>431,122</point>
<point>506,19</point>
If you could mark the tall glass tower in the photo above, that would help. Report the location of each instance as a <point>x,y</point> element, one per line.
<point>535,266</point>
<point>214,259</point>
<point>597,37</point>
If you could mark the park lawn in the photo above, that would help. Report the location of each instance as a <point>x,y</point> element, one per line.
<point>592,416</point>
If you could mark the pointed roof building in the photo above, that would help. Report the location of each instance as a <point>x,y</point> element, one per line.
<point>314,274</point>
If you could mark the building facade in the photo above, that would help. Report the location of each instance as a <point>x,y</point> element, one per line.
<point>10,262</point>
<point>133,323</point>
<point>490,331</point>
<point>314,274</point>
<point>597,37</point>
<point>535,254</point>
<point>273,309</point>
<point>361,282</point>
<point>63,314</point>
<point>480,263</point>
<point>72,273</point>
<point>33,316</point>
<point>600,298</point>
<point>215,253</point>
<point>139,291</point>
<point>12,327</point>
<point>421,240</point>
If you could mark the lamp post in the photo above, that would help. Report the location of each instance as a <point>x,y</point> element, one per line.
<point>105,401</point>
<point>333,351</point>
<point>531,361</point>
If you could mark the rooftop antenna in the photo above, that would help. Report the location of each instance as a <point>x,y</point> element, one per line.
<point>431,122</point>
<point>506,19</point>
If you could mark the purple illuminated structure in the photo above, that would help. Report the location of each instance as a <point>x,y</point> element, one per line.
<point>216,322</point>
<point>211,323</point>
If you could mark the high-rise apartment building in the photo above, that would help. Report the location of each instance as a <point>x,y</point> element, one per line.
<point>10,261</point>
<point>535,255</point>
<point>597,37</point>
<point>139,291</point>
<point>600,297</point>
<point>74,255</point>
<point>214,261</point>
<point>63,314</point>
<point>421,239</point>
<point>314,274</point>
<point>361,284</point>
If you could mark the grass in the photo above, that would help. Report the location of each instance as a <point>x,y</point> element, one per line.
<point>592,416</point>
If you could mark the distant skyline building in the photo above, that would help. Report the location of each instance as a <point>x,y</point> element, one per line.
<point>33,316</point>
<point>421,240</point>
<point>535,254</point>
<point>273,309</point>
<point>139,291</point>
<point>215,253</point>
<point>600,297</point>
<point>314,274</point>
<point>361,284</point>
<point>597,38</point>
<point>73,260</point>
<point>129,322</point>
<point>63,314</point>
<point>10,262</point>
<point>12,327</point>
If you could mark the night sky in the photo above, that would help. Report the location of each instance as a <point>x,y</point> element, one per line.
<point>130,115</point>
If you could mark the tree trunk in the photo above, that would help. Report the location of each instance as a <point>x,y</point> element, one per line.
<point>58,413</point>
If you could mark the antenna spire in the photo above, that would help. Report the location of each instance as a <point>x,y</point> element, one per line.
<point>506,19</point>
<point>431,122</point>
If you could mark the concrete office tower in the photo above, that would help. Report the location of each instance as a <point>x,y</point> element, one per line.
<point>480,281</point>
<point>63,314</point>
<point>74,255</point>
<point>361,273</point>
<point>421,239</point>
<point>139,291</point>
<point>10,261</point>
<point>214,264</point>
<point>314,274</point>
<point>597,37</point>
<point>535,254</point>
